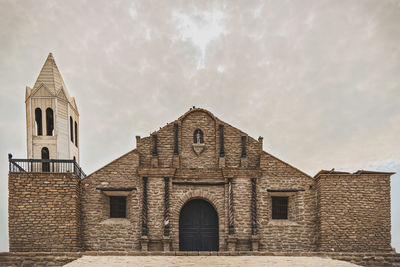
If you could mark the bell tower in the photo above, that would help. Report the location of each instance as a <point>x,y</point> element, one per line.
<point>52,118</point>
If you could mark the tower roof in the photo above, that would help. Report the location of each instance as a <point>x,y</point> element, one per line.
<point>51,81</point>
<point>50,76</point>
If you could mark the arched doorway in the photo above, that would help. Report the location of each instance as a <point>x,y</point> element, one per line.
<point>45,160</point>
<point>198,227</point>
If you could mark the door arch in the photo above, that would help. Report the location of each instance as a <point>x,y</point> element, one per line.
<point>198,227</point>
<point>45,159</point>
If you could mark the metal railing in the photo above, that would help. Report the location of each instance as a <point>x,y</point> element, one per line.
<point>45,165</point>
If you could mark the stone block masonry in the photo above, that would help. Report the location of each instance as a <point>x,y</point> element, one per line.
<point>353,212</point>
<point>233,191</point>
<point>44,212</point>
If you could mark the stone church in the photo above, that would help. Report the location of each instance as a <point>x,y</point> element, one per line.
<point>197,184</point>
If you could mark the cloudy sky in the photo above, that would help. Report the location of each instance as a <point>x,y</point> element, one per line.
<point>319,80</point>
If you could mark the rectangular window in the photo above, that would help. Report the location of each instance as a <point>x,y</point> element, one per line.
<point>117,207</point>
<point>280,208</point>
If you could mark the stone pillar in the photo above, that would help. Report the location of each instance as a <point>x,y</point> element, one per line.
<point>166,206</point>
<point>155,150</point>
<point>253,206</point>
<point>244,141</point>
<point>231,242</point>
<point>166,242</point>
<point>144,240</point>
<point>244,162</point>
<point>144,243</point>
<point>255,241</point>
<point>154,161</point>
<point>230,207</point>
<point>221,141</point>
<point>144,208</point>
<point>175,161</point>
<point>221,162</point>
<point>176,150</point>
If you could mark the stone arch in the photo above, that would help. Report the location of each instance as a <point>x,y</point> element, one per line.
<point>195,194</point>
<point>217,204</point>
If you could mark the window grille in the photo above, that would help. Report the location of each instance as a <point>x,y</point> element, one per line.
<point>117,207</point>
<point>280,208</point>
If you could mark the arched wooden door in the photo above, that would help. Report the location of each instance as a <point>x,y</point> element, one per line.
<point>198,227</point>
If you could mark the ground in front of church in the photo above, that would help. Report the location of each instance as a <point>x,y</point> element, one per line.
<point>166,261</point>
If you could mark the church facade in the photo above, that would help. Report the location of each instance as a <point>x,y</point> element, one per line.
<point>197,184</point>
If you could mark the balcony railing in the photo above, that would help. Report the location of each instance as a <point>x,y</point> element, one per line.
<point>45,165</point>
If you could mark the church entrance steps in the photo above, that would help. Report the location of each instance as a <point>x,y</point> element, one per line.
<point>376,259</point>
<point>167,261</point>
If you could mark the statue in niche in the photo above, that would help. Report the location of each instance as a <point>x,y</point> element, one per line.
<point>198,141</point>
<point>198,137</point>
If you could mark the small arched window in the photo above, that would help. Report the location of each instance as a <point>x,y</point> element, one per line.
<point>49,122</point>
<point>38,122</point>
<point>76,134</point>
<point>45,159</point>
<point>198,137</point>
<point>71,129</point>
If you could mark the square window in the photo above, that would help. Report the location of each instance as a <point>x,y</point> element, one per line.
<point>280,208</point>
<point>117,207</point>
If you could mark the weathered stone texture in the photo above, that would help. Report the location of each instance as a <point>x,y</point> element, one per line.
<point>44,212</point>
<point>343,213</point>
<point>37,259</point>
<point>353,212</point>
<point>298,232</point>
<point>99,231</point>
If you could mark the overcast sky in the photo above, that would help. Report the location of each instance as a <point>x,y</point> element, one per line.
<point>319,80</point>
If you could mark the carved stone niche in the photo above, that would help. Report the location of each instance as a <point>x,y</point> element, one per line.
<point>255,242</point>
<point>198,148</point>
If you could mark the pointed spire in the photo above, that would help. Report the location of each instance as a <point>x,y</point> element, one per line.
<point>50,76</point>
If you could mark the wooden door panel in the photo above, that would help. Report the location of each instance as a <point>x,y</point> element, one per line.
<point>198,227</point>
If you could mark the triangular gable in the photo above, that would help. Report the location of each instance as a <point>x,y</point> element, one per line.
<point>73,104</point>
<point>42,90</point>
<point>61,94</point>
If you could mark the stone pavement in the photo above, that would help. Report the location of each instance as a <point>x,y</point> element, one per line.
<point>231,261</point>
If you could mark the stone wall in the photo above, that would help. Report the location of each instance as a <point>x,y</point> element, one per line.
<point>100,232</point>
<point>44,212</point>
<point>353,212</point>
<point>39,259</point>
<point>298,232</point>
<point>339,212</point>
<point>209,158</point>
